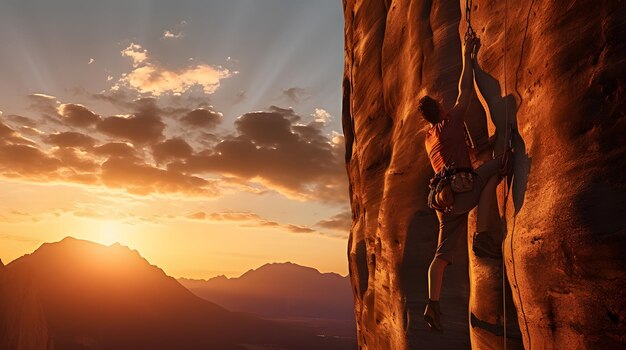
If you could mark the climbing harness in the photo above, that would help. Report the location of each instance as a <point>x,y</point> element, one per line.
<point>445,183</point>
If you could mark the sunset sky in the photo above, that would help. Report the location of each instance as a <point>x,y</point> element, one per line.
<point>204,134</point>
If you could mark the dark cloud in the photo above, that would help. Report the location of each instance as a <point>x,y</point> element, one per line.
<point>295,159</point>
<point>143,126</point>
<point>274,150</point>
<point>28,161</point>
<point>139,129</point>
<point>140,178</point>
<point>339,222</point>
<point>296,94</point>
<point>172,149</point>
<point>70,139</point>
<point>202,118</point>
<point>78,115</point>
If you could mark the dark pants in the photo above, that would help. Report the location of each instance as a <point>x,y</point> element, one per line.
<point>453,225</point>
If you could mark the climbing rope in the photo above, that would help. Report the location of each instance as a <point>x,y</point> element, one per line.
<point>530,7</point>
<point>506,194</point>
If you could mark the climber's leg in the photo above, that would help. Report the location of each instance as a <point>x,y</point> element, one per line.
<point>487,201</point>
<point>486,242</point>
<point>435,278</point>
<point>452,235</point>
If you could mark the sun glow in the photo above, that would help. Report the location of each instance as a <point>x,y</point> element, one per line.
<point>110,232</point>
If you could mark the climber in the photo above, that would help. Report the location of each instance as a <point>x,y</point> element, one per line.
<point>457,188</point>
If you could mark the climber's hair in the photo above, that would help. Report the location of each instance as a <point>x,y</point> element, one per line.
<point>429,108</point>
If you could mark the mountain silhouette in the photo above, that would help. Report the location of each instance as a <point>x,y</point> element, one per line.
<point>76,294</point>
<point>280,290</point>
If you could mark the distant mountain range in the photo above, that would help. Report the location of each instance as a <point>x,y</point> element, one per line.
<point>76,294</point>
<point>280,290</point>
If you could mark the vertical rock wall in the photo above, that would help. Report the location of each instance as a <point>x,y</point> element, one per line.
<point>566,228</point>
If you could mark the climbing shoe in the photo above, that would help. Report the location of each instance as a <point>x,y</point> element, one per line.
<point>485,247</point>
<point>432,316</point>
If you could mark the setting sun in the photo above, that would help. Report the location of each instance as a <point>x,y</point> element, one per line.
<point>109,232</point>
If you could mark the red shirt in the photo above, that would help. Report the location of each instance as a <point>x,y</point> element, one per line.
<point>445,144</point>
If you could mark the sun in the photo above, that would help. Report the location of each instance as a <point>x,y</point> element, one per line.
<point>109,232</point>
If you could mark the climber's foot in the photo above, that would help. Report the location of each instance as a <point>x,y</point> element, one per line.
<point>432,316</point>
<point>484,246</point>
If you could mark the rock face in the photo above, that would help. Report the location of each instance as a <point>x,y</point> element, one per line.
<point>565,222</point>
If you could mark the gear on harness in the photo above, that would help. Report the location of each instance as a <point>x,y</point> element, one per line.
<point>445,183</point>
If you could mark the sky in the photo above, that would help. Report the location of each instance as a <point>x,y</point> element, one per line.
<point>204,134</point>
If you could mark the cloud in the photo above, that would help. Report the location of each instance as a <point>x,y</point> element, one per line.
<point>150,78</point>
<point>296,94</point>
<point>21,120</point>
<point>175,33</point>
<point>202,118</point>
<point>44,103</point>
<point>77,115</point>
<point>137,53</point>
<point>171,149</point>
<point>43,97</point>
<point>116,150</point>
<point>27,130</point>
<point>10,136</point>
<point>143,179</point>
<point>274,149</point>
<point>168,34</point>
<point>139,129</point>
<point>321,116</point>
<point>76,160</point>
<point>340,222</point>
<point>70,139</point>
<point>27,161</point>
<point>251,220</point>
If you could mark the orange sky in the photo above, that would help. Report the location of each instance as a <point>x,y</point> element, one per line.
<point>208,162</point>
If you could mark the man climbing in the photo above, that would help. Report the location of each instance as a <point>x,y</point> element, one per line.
<point>457,188</point>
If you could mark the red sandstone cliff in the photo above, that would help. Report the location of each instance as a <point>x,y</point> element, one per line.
<point>566,222</point>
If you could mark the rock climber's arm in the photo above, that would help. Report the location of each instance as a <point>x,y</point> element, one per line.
<point>466,84</point>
